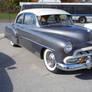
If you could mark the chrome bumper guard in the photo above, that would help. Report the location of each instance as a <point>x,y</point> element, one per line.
<point>72,67</point>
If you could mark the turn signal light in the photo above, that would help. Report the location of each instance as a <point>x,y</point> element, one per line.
<point>82,60</point>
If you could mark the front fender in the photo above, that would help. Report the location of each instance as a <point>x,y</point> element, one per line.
<point>57,46</point>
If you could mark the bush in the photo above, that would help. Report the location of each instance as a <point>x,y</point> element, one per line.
<point>9,7</point>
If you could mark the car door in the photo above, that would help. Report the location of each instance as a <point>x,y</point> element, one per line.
<point>27,34</point>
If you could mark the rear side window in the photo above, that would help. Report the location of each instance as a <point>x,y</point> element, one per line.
<point>30,19</point>
<point>20,19</point>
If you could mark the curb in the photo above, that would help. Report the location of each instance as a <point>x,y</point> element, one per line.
<point>2,36</point>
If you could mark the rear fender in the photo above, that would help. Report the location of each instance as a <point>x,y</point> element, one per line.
<point>11,34</point>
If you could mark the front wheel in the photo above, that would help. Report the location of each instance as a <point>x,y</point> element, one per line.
<point>50,61</point>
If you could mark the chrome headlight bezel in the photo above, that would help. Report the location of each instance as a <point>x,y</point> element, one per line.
<point>68,47</point>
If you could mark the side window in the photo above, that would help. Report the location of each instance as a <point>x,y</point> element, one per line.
<point>29,19</point>
<point>19,19</point>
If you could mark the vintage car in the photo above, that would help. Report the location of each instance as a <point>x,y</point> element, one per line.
<point>51,34</point>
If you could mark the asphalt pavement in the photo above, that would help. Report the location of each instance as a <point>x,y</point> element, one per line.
<point>21,71</point>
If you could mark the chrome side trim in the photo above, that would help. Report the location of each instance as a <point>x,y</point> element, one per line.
<point>37,43</point>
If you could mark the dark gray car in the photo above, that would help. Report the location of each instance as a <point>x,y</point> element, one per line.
<point>50,34</point>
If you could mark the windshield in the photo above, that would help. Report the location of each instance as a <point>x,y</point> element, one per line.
<point>60,19</point>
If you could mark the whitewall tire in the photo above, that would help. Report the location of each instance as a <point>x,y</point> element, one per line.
<point>50,61</point>
<point>12,44</point>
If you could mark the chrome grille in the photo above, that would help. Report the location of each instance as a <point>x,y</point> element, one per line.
<point>78,54</point>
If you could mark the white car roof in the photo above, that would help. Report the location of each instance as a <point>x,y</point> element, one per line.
<point>45,11</point>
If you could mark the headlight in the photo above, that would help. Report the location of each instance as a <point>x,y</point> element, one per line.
<point>68,47</point>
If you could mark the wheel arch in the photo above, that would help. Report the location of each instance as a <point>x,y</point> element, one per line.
<point>14,37</point>
<point>43,50</point>
<point>11,33</point>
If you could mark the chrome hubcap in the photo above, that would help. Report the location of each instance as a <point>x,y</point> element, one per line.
<point>82,20</point>
<point>51,59</point>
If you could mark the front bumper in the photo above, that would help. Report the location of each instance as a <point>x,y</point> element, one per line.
<point>72,67</point>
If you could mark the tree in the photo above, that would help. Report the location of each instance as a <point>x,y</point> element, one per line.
<point>12,6</point>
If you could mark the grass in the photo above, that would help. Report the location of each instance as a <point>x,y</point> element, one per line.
<point>6,16</point>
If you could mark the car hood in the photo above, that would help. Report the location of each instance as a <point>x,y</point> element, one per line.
<point>73,33</point>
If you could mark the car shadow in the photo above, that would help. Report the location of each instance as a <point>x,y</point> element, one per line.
<point>6,62</point>
<point>85,74</point>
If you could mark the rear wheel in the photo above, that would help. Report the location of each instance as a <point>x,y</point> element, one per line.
<point>50,61</point>
<point>12,44</point>
<point>82,20</point>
